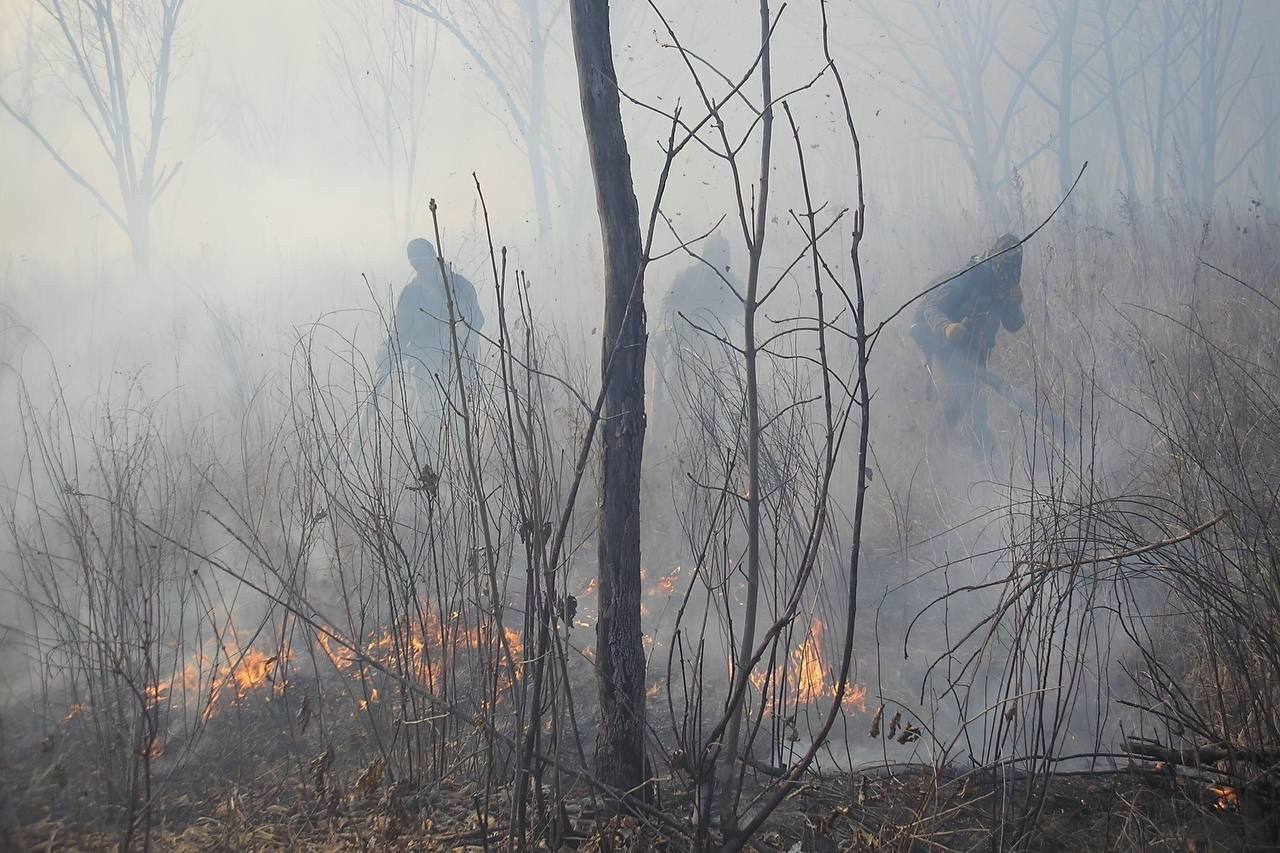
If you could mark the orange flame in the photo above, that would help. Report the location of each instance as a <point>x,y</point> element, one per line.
<point>1228,798</point>
<point>666,585</point>
<point>807,676</point>
<point>251,672</point>
<point>155,693</point>
<point>855,697</point>
<point>339,660</point>
<point>246,671</point>
<point>427,642</point>
<point>758,678</point>
<point>515,643</point>
<point>811,682</point>
<point>74,711</point>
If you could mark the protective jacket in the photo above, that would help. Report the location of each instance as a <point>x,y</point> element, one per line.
<point>422,315</point>
<point>699,294</point>
<point>979,299</point>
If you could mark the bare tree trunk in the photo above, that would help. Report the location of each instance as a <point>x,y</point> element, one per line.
<point>1114,85</point>
<point>1268,174</point>
<point>1210,85</point>
<point>535,137</point>
<point>1161,116</point>
<point>1067,20</point>
<point>538,177</point>
<point>619,755</point>
<point>139,219</point>
<point>732,737</point>
<point>497,52</point>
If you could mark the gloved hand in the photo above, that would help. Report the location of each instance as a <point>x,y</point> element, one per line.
<point>956,333</point>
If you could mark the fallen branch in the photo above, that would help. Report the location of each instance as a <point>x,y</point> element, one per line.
<point>1199,756</point>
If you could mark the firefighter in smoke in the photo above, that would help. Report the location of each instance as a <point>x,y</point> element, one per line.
<point>421,346</point>
<point>956,326</point>
<point>702,291</point>
<point>704,294</point>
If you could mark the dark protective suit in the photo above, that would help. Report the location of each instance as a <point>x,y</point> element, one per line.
<point>422,318</point>
<point>973,307</point>
<point>422,349</point>
<point>700,294</point>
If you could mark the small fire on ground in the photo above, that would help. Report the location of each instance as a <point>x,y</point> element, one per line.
<point>809,679</point>
<point>230,675</point>
<point>1228,798</point>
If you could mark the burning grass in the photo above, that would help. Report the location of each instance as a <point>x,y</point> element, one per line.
<point>807,678</point>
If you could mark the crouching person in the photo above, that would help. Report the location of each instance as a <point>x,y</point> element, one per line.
<point>956,326</point>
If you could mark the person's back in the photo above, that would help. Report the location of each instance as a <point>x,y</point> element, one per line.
<point>422,311</point>
<point>700,292</point>
<point>418,357</point>
<point>700,295</point>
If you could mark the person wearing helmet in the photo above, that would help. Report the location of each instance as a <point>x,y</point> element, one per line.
<point>957,324</point>
<point>703,294</point>
<point>422,313</point>
<point>702,291</point>
<point>421,344</point>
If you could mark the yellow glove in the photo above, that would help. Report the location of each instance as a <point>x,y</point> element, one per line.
<point>956,332</point>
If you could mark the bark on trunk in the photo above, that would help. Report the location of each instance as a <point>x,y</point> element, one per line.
<point>619,753</point>
<point>139,233</point>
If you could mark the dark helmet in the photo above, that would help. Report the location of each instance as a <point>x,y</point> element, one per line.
<point>1009,263</point>
<point>1005,242</point>
<point>716,251</point>
<point>421,251</point>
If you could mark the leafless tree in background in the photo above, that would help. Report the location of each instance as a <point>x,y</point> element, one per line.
<point>115,62</point>
<point>1169,92</point>
<point>1093,68</point>
<point>960,99</point>
<point>1179,79</point>
<point>1223,67</point>
<point>1162,91</point>
<point>508,42</point>
<point>260,124</point>
<point>1114,89</point>
<point>1079,88</point>
<point>1063,20</point>
<point>1266,170</point>
<point>385,76</point>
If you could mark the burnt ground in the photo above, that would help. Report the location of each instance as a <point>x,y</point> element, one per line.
<point>908,807</point>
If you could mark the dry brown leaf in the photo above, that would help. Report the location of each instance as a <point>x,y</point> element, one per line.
<point>371,778</point>
<point>875,722</point>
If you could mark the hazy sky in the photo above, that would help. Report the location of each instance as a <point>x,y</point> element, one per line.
<point>270,149</point>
